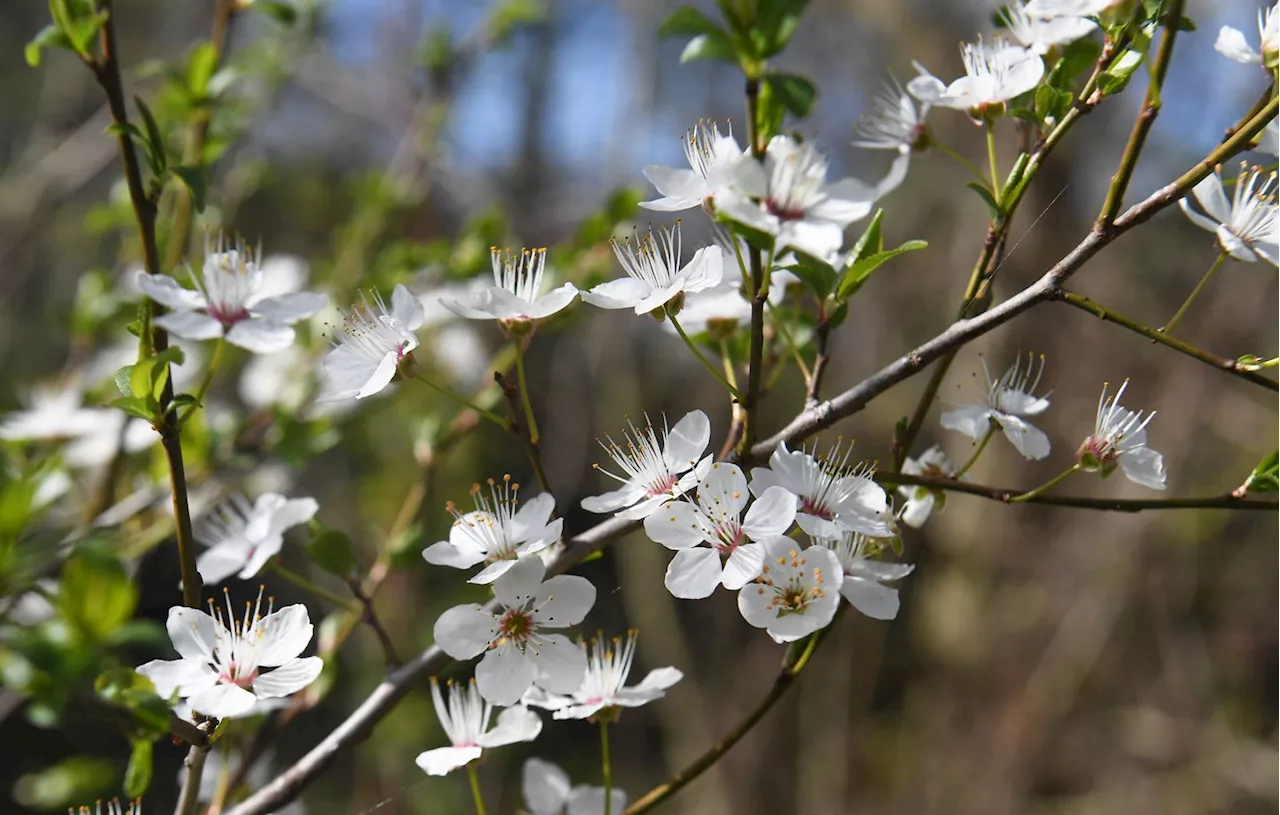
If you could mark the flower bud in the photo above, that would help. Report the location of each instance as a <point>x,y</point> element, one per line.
<point>988,111</point>
<point>517,326</point>
<point>1096,456</point>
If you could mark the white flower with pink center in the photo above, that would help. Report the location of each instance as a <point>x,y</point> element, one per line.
<point>374,342</point>
<point>796,593</point>
<point>515,300</point>
<point>229,301</point>
<point>604,686</point>
<point>465,719</point>
<point>242,537</point>
<point>933,463</point>
<point>496,532</point>
<point>654,471</point>
<point>517,650</point>
<point>1119,438</point>
<point>227,665</point>
<point>832,496</point>
<point>655,279</point>
<point>711,156</point>
<point>732,556</point>
<point>1005,403</point>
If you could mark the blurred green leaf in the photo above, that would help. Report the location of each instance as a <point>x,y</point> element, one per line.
<point>155,138</point>
<point>200,67</point>
<point>1266,476</point>
<point>687,21</point>
<point>859,272</point>
<point>96,594</point>
<point>283,13</point>
<point>194,178</point>
<point>796,93</point>
<point>709,46</point>
<point>137,776</point>
<point>775,23</point>
<point>509,16</point>
<point>334,552</point>
<point>71,781</point>
<point>48,37</point>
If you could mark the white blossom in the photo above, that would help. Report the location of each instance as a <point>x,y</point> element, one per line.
<point>711,158</point>
<point>1247,227</point>
<point>54,411</point>
<point>220,670</point>
<point>1005,402</point>
<point>516,299</point>
<point>1038,34</point>
<point>604,686</point>
<point>788,197</point>
<point>654,274</point>
<point>831,496</point>
<point>548,791</point>
<point>654,471</point>
<point>895,121</point>
<point>994,74</point>
<point>371,347</point>
<point>1233,44</point>
<point>517,651</point>
<point>495,532</point>
<point>1120,438</point>
<point>229,300</point>
<point>920,502</point>
<point>864,577</point>
<point>241,537</point>
<point>1053,9</point>
<point>796,593</point>
<point>733,554</point>
<point>465,720</point>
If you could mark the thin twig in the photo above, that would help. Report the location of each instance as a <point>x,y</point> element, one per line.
<point>189,796</point>
<point>371,617</point>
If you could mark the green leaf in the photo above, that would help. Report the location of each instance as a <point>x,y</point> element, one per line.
<point>985,195</point>
<point>48,37</point>
<point>770,112</point>
<point>137,776</point>
<point>819,277</point>
<point>154,137</point>
<point>83,31</point>
<point>283,13</point>
<point>870,242</point>
<point>123,380</point>
<point>858,272</point>
<point>1117,77</point>
<point>1052,103</point>
<point>96,594</point>
<point>714,45</point>
<point>138,408</point>
<point>1266,476</point>
<point>193,177</point>
<point>200,67</point>
<point>687,21</point>
<point>334,552</point>
<point>776,23</point>
<point>1077,58</point>
<point>796,93</point>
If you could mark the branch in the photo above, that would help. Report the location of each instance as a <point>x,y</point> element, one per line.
<point>189,796</point>
<point>360,723</point>
<point>1004,495</point>
<point>1221,363</point>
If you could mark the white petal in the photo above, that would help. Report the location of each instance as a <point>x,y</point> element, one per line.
<point>917,511</point>
<point>464,631</point>
<point>676,183</point>
<point>446,553</point>
<point>653,686</point>
<point>190,325</point>
<point>613,500</point>
<point>971,420</point>
<point>545,787</point>
<point>813,237</point>
<point>293,512</point>
<point>872,599</point>
<point>520,584</point>
<point>563,601</point>
<point>687,441</point>
<point>624,292</point>
<point>743,566</point>
<point>186,676</point>
<point>380,377</point>
<point>531,520</point>
<point>260,335</point>
<point>645,507</point>
<point>561,664</point>
<point>1231,43</point>
<point>753,602</point>
<point>167,291</point>
<point>220,562</point>
<point>553,301</point>
<point>515,724</point>
<point>590,801</point>
<point>693,573</point>
<point>260,554</point>
<point>747,213</point>
<point>193,632</point>
<point>771,514</point>
<point>1213,198</point>
<point>1030,441</point>
<point>748,178</point>
<point>285,633</point>
<point>492,572</point>
<point>704,270</point>
<point>1144,466</point>
<point>1196,218</point>
<point>724,491</point>
<point>406,309</point>
<point>504,675</point>
<point>443,760</point>
<point>289,678</point>
<point>1234,246</point>
<point>675,525</point>
<point>926,87</point>
<point>223,701</point>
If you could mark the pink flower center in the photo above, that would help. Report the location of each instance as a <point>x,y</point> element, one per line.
<point>662,486</point>
<point>228,315</point>
<point>516,625</point>
<point>231,676</point>
<point>811,507</point>
<point>782,212</point>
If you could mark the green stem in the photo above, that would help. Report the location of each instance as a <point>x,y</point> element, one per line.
<point>530,421</point>
<point>961,160</point>
<point>606,768</point>
<point>1045,487</point>
<point>780,323</point>
<point>306,585</point>
<point>991,158</point>
<point>701,358</point>
<point>219,350</point>
<point>1186,306</point>
<point>488,414</point>
<point>475,788</point>
<point>982,445</point>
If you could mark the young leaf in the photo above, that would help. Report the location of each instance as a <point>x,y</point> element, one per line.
<point>1266,476</point>
<point>796,93</point>
<point>858,272</point>
<point>334,552</point>
<point>985,194</point>
<point>715,45</point>
<point>96,594</point>
<point>870,241</point>
<point>138,408</point>
<point>154,137</point>
<point>687,21</point>
<point>283,13</point>
<point>193,177</point>
<point>137,776</point>
<point>49,37</point>
<point>776,23</point>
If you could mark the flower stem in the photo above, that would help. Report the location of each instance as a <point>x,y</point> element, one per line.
<point>701,358</point>
<point>529,419</point>
<point>306,585</point>
<point>488,414</point>
<point>1045,487</point>
<point>606,767</point>
<point>1204,281</point>
<point>991,158</point>
<point>973,459</point>
<point>961,160</point>
<point>475,788</point>
<point>218,351</point>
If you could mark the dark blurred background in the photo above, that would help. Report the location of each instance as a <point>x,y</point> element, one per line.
<point>1045,660</point>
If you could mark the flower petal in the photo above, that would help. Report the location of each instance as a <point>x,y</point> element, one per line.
<point>613,500</point>
<point>624,292</point>
<point>1213,198</point>
<point>285,634</point>
<point>520,584</point>
<point>553,301</point>
<point>291,307</point>
<point>1030,441</point>
<point>444,760</point>
<point>504,675</point>
<point>693,573</point>
<point>168,292</point>
<point>190,325</point>
<point>447,553</point>
<point>771,514</point>
<point>1232,44</point>
<point>545,787</point>
<point>218,563</point>
<point>464,631</point>
<point>260,335</point>
<point>1144,466</point>
<point>515,724</point>
<point>492,572</point>
<point>687,441</point>
<point>289,678</point>
<point>563,601</point>
<point>223,701</point>
<point>561,665</point>
<point>407,309</point>
<point>971,420</point>
<point>193,632</point>
<point>590,801</point>
<point>675,525</point>
<point>871,598</point>
<point>743,566</point>
<point>186,676</point>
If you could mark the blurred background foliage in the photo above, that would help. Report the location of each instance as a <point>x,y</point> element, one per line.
<point>1046,660</point>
